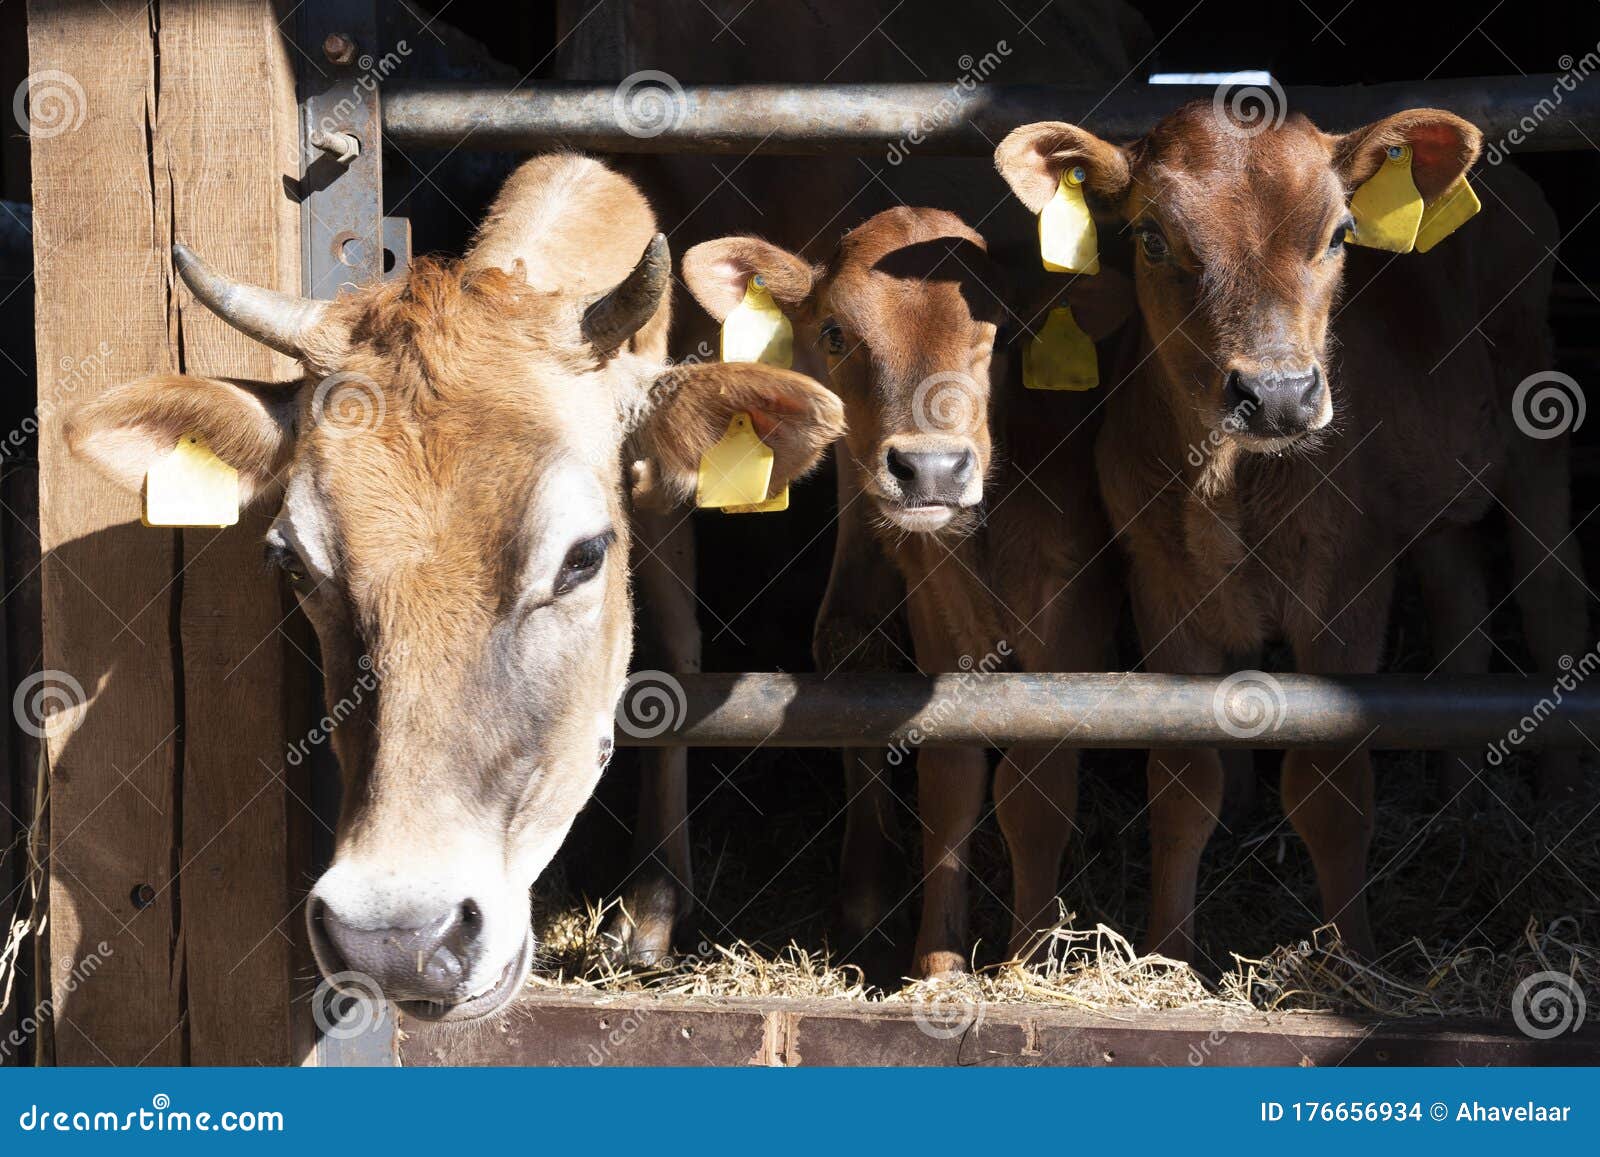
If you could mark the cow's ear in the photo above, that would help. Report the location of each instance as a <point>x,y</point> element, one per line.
<point>1443,147</point>
<point>1033,157</point>
<point>691,406</point>
<point>717,273</point>
<point>249,425</point>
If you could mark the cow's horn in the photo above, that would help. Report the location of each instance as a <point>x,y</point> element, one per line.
<point>617,316</point>
<point>279,320</point>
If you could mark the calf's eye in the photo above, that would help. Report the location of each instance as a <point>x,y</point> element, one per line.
<point>1341,233</point>
<point>832,338</point>
<point>1153,245</point>
<point>583,561</point>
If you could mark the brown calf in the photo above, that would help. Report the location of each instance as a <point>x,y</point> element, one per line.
<point>989,514</point>
<point>1269,456</point>
<point>453,514</point>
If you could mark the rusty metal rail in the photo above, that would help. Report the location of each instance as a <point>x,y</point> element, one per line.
<point>1108,710</point>
<point>936,119</point>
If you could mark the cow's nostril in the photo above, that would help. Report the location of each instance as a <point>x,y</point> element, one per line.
<point>961,472</point>
<point>1311,391</point>
<point>901,467</point>
<point>471,917</point>
<point>1240,391</point>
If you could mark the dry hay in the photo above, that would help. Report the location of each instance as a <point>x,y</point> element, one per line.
<point>1466,903</point>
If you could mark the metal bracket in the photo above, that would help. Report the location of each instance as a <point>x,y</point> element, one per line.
<point>344,235</point>
<point>341,146</point>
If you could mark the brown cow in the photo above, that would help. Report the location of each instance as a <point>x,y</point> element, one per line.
<point>1269,457</point>
<point>454,516</point>
<point>803,202</point>
<point>993,521</point>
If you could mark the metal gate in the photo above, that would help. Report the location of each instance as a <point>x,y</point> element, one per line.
<point>347,240</point>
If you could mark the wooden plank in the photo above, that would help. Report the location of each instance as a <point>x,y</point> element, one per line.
<point>102,284</point>
<point>19,528</point>
<point>628,1030</point>
<point>227,136</point>
<point>13,855</point>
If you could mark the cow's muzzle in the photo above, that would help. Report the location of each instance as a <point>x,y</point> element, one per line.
<point>1277,403</point>
<point>425,969</point>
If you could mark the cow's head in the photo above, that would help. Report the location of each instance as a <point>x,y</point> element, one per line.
<point>453,517</point>
<point>1239,234</point>
<point>906,316</point>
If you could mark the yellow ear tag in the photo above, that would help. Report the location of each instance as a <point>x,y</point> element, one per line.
<point>779,501</point>
<point>191,486</point>
<point>737,470</point>
<point>1455,207</point>
<point>1067,240</point>
<point>1060,356</point>
<point>756,330</point>
<point>1388,208</point>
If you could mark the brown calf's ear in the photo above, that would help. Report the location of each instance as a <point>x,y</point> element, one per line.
<point>249,425</point>
<point>1443,148</point>
<point>1033,157</point>
<point>718,271</point>
<point>794,415</point>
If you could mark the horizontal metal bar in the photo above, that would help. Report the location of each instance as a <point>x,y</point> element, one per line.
<point>932,119</point>
<point>1107,710</point>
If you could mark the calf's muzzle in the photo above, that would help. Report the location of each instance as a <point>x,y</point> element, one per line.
<point>931,477</point>
<point>1274,403</point>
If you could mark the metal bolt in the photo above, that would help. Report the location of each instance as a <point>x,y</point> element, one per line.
<point>342,147</point>
<point>339,48</point>
<point>143,896</point>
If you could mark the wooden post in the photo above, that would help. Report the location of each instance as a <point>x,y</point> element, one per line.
<point>168,802</point>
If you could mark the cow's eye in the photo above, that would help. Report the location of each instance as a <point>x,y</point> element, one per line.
<point>1341,233</point>
<point>1152,244</point>
<point>583,561</point>
<point>832,338</point>
<point>283,556</point>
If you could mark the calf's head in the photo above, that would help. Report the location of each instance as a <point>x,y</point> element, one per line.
<point>451,513</point>
<point>1239,238</point>
<point>905,316</point>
